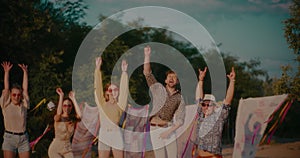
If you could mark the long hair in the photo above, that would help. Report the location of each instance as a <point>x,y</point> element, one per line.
<point>106,96</point>
<point>72,115</point>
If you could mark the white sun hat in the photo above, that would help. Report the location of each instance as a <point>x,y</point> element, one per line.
<point>209,97</point>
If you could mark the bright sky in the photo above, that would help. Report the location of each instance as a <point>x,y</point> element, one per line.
<point>248,29</point>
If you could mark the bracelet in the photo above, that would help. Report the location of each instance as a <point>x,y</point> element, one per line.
<point>232,80</point>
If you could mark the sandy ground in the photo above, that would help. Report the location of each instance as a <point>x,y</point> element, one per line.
<point>286,150</point>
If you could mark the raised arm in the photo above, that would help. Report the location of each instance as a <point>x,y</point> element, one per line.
<point>230,90</point>
<point>124,89</point>
<point>60,102</point>
<point>147,53</point>
<point>98,86</point>
<point>5,94</point>
<point>76,106</point>
<point>199,89</point>
<point>6,66</point>
<point>25,83</point>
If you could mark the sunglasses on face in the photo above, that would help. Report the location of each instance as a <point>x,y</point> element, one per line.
<point>206,104</point>
<point>67,105</point>
<point>111,90</point>
<point>16,95</point>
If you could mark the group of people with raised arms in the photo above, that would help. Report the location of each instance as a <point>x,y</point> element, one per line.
<point>14,102</point>
<point>167,115</point>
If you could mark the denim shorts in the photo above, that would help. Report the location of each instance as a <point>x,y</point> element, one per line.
<point>15,143</point>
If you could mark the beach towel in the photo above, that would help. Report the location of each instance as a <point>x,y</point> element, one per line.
<point>251,122</point>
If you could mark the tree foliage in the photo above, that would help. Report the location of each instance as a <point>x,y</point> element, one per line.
<point>46,36</point>
<point>292,28</point>
<point>249,83</point>
<point>289,82</point>
<point>43,37</point>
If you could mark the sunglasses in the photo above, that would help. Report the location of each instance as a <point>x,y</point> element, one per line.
<point>110,90</point>
<point>67,105</point>
<point>206,105</point>
<point>16,95</point>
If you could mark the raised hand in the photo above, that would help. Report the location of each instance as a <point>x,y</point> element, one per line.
<point>124,65</point>
<point>59,91</point>
<point>72,95</point>
<point>77,109</point>
<point>147,50</point>
<point>6,66</point>
<point>23,67</point>
<point>202,74</point>
<point>231,76</point>
<point>98,62</point>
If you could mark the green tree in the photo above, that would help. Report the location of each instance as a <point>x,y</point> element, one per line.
<point>289,82</point>
<point>249,83</point>
<point>290,79</point>
<point>40,35</point>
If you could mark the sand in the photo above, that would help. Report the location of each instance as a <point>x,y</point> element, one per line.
<point>285,150</point>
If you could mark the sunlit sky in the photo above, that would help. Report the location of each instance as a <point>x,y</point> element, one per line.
<point>247,29</point>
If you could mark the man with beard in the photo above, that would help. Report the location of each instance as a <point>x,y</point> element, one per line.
<point>167,101</point>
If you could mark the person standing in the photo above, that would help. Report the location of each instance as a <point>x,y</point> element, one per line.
<point>211,118</point>
<point>14,103</point>
<point>167,116</point>
<point>110,105</point>
<point>67,114</point>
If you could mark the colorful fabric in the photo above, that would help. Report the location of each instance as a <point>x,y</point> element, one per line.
<point>251,122</point>
<point>135,132</point>
<point>85,132</point>
<point>276,124</point>
<point>34,142</point>
<point>90,119</point>
<point>43,101</point>
<point>186,132</point>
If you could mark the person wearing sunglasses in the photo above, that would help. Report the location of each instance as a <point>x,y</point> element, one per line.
<point>211,118</point>
<point>67,114</point>
<point>14,103</point>
<point>111,103</point>
<point>168,110</point>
